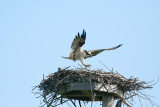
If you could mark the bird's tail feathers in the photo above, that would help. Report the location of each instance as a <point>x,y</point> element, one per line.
<point>65,57</point>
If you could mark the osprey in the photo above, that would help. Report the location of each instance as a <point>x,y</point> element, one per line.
<point>78,54</point>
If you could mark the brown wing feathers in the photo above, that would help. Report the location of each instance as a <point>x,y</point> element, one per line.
<point>95,52</point>
<point>114,47</point>
<point>83,38</point>
<point>79,41</point>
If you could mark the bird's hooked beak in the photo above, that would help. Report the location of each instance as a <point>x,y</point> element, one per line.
<point>88,53</point>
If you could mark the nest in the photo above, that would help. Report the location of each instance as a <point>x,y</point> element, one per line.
<point>49,90</point>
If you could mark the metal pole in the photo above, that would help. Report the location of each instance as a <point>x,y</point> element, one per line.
<point>107,101</point>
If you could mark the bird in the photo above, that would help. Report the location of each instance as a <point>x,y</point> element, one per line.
<point>78,54</point>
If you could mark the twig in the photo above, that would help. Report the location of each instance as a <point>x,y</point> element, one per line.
<point>79,103</point>
<point>105,66</point>
<point>73,103</point>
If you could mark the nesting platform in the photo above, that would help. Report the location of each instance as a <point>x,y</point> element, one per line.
<point>86,91</point>
<point>88,85</point>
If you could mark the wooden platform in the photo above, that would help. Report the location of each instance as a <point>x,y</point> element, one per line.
<point>89,91</point>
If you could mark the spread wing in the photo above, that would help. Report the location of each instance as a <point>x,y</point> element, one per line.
<point>95,52</point>
<point>79,41</point>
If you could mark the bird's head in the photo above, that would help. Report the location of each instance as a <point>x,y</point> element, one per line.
<point>88,54</point>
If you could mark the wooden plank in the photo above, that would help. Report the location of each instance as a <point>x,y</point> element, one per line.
<point>87,93</point>
<point>86,86</point>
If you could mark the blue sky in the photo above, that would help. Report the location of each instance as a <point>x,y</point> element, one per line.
<point>36,33</point>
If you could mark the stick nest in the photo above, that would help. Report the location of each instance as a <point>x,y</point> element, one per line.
<point>49,86</point>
